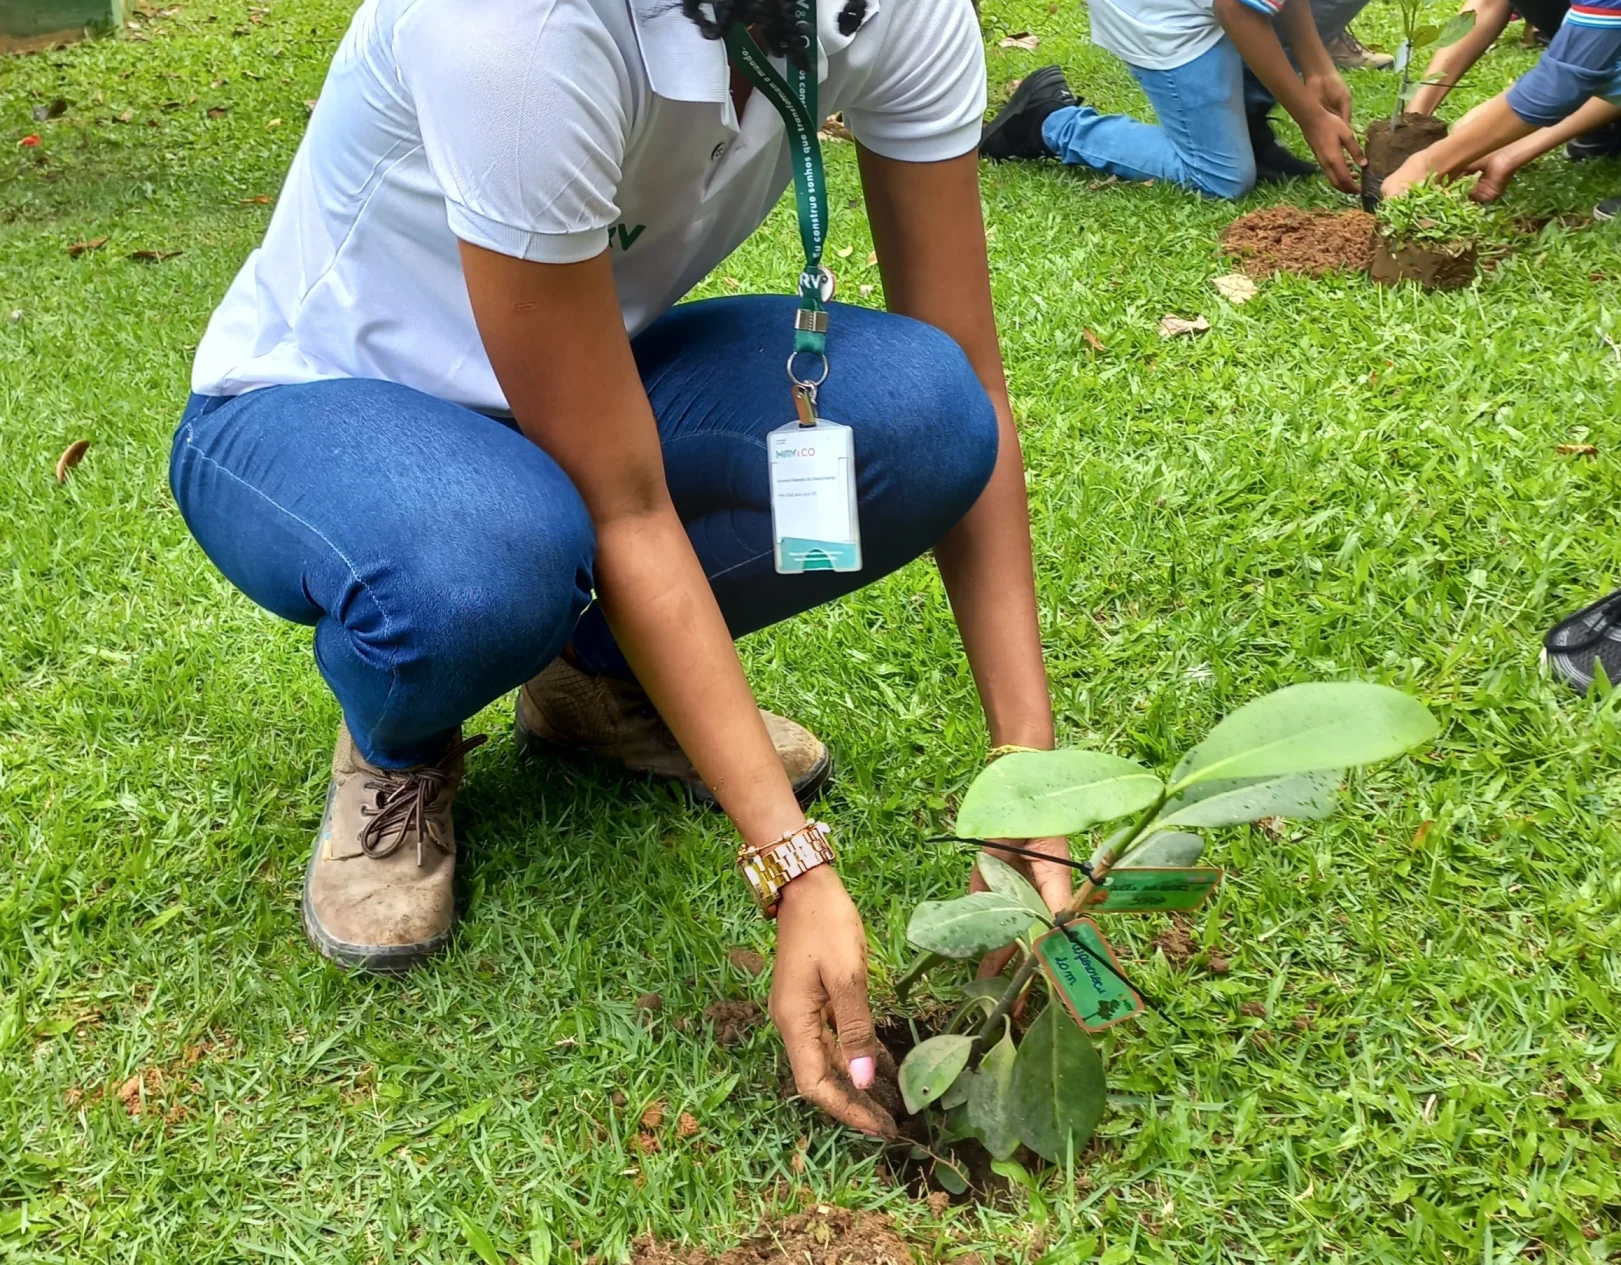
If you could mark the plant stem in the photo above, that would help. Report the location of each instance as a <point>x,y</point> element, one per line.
<point>1121,843</point>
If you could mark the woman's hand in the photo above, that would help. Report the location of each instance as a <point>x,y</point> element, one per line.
<point>1051,879</point>
<point>820,978</point>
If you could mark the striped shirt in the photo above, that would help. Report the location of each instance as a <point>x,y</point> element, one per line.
<point>1582,61</point>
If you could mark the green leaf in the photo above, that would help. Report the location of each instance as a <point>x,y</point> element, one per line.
<point>968,926</point>
<point>1305,728</point>
<point>950,1177</point>
<point>479,1240</point>
<point>931,1067</point>
<point>1014,1172</point>
<point>1057,1086</point>
<point>992,988</point>
<point>463,1118</point>
<point>957,1095</point>
<point>1004,880</point>
<point>1425,35</point>
<point>1231,802</point>
<point>1036,794</point>
<point>1458,25</point>
<point>989,1110</point>
<point>1166,849</point>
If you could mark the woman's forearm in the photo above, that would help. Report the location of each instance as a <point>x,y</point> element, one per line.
<point>651,584</point>
<point>986,564</point>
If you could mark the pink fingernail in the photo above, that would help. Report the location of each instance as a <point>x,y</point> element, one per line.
<point>861,1072</point>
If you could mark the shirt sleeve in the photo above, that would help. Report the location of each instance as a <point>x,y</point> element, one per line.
<point>1583,60</point>
<point>923,99</point>
<point>1266,8</point>
<point>521,109</point>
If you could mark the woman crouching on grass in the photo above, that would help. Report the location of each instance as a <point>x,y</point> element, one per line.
<point>451,415</point>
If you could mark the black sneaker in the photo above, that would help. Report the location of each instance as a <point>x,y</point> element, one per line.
<point>1589,636</point>
<point>1015,132</point>
<point>1274,163</point>
<point>1601,142</point>
<point>1607,209</point>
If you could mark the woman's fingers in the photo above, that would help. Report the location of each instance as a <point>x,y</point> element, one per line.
<point>814,1060</point>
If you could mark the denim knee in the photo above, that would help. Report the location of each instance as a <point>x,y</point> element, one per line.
<point>1227,185</point>
<point>955,437</point>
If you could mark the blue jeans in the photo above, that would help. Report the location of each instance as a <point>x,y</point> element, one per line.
<point>443,559</point>
<point>1202,139</point>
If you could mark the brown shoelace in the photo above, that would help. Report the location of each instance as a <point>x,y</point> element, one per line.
<point>405,797</point>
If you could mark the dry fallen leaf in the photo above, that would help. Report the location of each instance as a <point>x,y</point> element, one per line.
<point>865,290</point>
<point>259,199</point>
<point>79,248</point>
<point>1093,341</point>
<point>1576,450</point>
<point>153,256</point>
<point>272,123</point>
<point>1236,288</point>
<point>1177,326</point>
<point>835,130</point>
<point>218,111</point>
<point>844,252</point>
<point>125,117</point>
<point>71,456</point>
<point>872,258</point>
<point>1023,40</point>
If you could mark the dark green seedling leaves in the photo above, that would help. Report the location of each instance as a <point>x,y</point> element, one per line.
<point>968,926</point>
<point>1037,794</point>
<point>1306,729</point>
<point>931,1068</point>
<point>1057,1086</point>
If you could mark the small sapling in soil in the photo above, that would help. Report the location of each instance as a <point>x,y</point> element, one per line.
<point>1430,235</point>
<point>980,1081</point>
<point>1391,142</point>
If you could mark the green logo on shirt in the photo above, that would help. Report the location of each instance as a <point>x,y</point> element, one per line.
<point>627,236</point>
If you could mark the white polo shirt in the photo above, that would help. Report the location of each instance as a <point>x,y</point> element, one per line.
<point>546,130</point>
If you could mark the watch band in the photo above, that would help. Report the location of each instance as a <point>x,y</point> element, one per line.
<point>770,868</point>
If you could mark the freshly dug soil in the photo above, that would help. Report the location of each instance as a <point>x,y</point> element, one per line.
<point>827,1236</point>
<point>1433,269</point>
<point>1389,147</point>
<point>1287,239</point>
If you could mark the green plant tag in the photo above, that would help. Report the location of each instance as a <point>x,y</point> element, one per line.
<point>1150,890</point>
<point>1096,997</point>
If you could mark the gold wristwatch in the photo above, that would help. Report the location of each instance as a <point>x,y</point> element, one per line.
<point>769,869</point>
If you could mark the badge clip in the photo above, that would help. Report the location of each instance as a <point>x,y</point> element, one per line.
<point>805,403</point>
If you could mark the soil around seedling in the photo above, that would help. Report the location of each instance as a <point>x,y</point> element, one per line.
<point>1387,147</point>
<point>733,1020</point>
<point>825,1236</point>
<point>1443,267</point>
<point>1311,243</point>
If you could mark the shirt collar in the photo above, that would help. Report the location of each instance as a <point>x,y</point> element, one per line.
<point>684,66</point>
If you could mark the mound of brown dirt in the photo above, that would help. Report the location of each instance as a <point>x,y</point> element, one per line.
<point>828,1236</point>
<point>1287,239</point>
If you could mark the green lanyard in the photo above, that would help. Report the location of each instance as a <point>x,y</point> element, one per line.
<point>795,99</point>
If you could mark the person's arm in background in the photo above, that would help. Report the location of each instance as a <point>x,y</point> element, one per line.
<point>930,234</point>
<point>1500,166</point>
<point>1451,63</point>
<point>1320,108</point>
<point>1583,61</point>
<point>556,339</point>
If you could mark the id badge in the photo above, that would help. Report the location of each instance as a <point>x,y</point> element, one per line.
<point>813,498</point>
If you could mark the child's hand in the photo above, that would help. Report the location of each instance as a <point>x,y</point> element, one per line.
<point>1496,170</point>
<point>1331,138</point>
<point>1331,90</point>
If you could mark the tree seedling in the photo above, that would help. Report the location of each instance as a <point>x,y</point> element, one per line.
<point>1432,213</point>
<point>1282,755</point>
<point>1417,36</point>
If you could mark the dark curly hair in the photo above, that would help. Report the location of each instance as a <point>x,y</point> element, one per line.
<point>773,22</point>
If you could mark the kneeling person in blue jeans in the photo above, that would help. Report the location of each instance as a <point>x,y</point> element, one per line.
<point>1189,57</point>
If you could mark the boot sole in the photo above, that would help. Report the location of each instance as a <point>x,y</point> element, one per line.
<point>532,745</point>
<point>373,959</point>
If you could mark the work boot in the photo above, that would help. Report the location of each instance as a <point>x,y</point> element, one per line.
<point>565,708</point>
<point>1349,53</point>
<point>1272,161</point>
<point>1015,132</point>
<point>377,893</point>
<point>1601,142</point>
<point>1607,209</point>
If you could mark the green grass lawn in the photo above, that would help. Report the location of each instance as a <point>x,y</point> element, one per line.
<point>1335,481</point>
